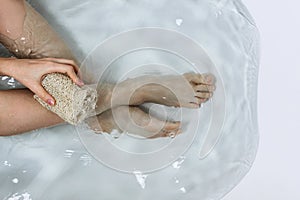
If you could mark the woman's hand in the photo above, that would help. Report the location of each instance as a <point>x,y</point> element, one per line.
<point>30,73</point>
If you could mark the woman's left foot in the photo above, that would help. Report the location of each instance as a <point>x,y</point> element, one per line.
<point>133,120</point>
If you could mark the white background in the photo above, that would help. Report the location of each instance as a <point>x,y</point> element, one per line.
<point>276,172</point>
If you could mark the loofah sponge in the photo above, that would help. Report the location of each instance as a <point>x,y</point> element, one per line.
<point>73,104</point>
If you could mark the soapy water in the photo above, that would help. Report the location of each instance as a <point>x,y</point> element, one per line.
<point>152,51</point>
<point>215,150</point>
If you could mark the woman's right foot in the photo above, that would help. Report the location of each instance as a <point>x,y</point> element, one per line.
<point>189,90</point>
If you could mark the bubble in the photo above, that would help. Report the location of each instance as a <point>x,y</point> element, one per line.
<point>15,180</point>
<point>6,163</point>
<point>172,135</point>
<point>177,164</point>
<point>179,22</point>
<point>115,134</point>
<point>176,180</point>
<point>182,189</point>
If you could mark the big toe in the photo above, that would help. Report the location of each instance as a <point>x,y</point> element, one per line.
<point>210,79</point>
<point>171,129</point>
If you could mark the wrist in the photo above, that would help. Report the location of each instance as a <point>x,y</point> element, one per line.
<point>6,66</point>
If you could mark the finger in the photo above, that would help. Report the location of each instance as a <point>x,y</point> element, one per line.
<point>43,94</point>
<point>64,61</point>
<point>66,69</point>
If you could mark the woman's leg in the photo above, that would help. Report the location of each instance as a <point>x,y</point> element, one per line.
<point>12,16</point>
<point>30,35</point>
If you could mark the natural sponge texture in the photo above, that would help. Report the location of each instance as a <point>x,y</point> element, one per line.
<point>73,103</point>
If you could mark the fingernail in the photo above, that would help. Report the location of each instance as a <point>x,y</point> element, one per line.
<point>80,82</point>
<point>50,102</point>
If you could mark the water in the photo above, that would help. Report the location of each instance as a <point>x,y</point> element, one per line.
<point>58,166</point>
<point>16,196</point>
<point>141,178</point>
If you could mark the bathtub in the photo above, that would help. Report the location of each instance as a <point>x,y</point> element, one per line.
<point>219,141</point>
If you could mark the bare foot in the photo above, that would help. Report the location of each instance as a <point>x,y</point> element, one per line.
<point>189,90</point>
<point>133,120</point>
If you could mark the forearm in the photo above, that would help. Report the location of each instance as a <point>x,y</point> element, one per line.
<point>4,66</point>
<point>21,113</point>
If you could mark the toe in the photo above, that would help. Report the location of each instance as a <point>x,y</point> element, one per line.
<point>195,104</point>
<point>166,133</point>
<point>203,95</point>
<point>195,78</point>
<point>171,126</point>
<point>209,79</point>
<point>204,88</point>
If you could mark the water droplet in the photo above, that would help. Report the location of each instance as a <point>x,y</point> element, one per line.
<point>22,38</point>
<point>141,178</point>
<point>17,50</point>
<point>218,13</point>
<point>16,196</point>
<point>6,163</point>
<point>11,82</point>
<point>68,153</point>
<point>115,134</point>
<point>24,171</point>
<point>164,98</point>
<point>183,190</point>
<point>15,180</point>
<point>26,196</point>
<point>87,160</point>
<point>176,180</point>
<point>7,31</point>
<point>4,78</point>
<point>177,164</point>
<point>179,22</point>
<point>172,135</point>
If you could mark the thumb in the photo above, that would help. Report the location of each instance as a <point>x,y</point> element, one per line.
<point>44,95</point>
